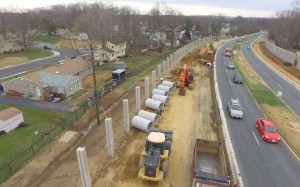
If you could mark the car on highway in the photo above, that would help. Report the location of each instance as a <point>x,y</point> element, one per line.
<point>235,109</point>
<point>47,47</point>
<point>249,47</point>
<point>237,79</point>
<point>268,131</point>
<point>230,65</point>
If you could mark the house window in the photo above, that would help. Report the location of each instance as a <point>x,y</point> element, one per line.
<point>112,55</point>
<point>77,84</point>
<point>112,46</point>
<point>61,89</point>
<point>70,89</point>
<point>73,87</point>
<point>30,88</point>
<point>2,46</point>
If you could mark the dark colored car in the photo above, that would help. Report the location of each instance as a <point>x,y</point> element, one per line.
<point>268,131</point>
<point>237,79</point>
<point>1,86</point>
<point>47,47</point>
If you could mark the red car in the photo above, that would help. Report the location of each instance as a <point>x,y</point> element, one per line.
<point>268,131</point>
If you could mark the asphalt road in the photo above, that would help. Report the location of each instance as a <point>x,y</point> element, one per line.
<point>261,164</point>
<point>290,92</point>
<point>64,52</point>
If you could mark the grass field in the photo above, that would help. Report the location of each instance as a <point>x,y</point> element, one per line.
<point>23,56</point>
<point>18,140</point>
<point>59,41</point>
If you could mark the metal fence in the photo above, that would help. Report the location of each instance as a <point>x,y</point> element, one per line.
<point>18,161</point>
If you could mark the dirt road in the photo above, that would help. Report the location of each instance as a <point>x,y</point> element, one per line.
<point>188,116</point>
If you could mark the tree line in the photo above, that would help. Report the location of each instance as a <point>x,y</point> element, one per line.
<point>285,28</point>
<point>103,20</point>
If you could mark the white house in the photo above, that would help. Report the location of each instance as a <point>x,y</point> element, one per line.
<point>113,48</point>
<point>159,36</point>
<point>8,46</point>
<point>10,119</point>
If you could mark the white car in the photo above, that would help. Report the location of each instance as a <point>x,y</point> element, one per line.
<point>235,109</point>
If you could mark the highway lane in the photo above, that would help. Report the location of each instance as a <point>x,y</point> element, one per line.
<point>290,93</point>
<point>64,52</point>
<point>260,163</point>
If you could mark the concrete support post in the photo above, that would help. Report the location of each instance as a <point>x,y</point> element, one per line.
<point>138,99</point>
<point>146,88</point>
<point>153,79</point>
<point>158,73</point>
<point>109,137</point>
<point>126,115</point>
<point>84,167</point>
<point>164,68</point>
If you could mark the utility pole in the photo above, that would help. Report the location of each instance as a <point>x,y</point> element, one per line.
<point>95,86</point>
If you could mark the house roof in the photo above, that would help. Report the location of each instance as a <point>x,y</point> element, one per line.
<point>145,42</point>
<point>116,40</point>
<point>108,50</point>
<point>8,113</point>
<point>68,67</point>
<point>53,79</point>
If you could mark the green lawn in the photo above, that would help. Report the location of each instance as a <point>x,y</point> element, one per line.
<point>21,138</point>
<point>53,39</point>
<point>23,56</point>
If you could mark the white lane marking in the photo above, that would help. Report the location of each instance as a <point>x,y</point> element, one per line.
<point>230,82</point>
<point>255,138</point>
<point>279,85</point>
<point>226,70</point>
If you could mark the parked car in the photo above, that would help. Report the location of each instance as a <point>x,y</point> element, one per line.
<point>268,131</point>
<point>47,47</point>
<point>235,109</point>
<point>1,86</point>
<point>237,79</point>
<point>230,65</point>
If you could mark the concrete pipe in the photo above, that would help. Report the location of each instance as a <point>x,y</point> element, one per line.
<point>161,98</point>
<point>142,123</point>
<point>208,65</point>
<point>159,92</point>
<point>154,104</point>
<point>166,88</point>
<point>149,115</point>
<point>170,84</point>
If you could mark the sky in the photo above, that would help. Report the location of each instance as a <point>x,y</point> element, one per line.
<point>245,8</point>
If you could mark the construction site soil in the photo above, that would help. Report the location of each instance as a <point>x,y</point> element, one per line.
<point>190,116</point>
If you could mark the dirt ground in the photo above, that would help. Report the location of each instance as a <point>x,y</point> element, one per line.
<point>189,116</point>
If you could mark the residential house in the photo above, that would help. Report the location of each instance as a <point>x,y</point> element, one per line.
<point>11,45</point>
<point>169,44</point>
<point>10,119</point>
<point>144,45</point>
<point>112,49</point>
<point>159,36</point>
<point>63,78</point>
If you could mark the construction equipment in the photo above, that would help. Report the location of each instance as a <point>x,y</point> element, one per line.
<point>154,160</point>
<point>211,49</point>
<point>186,79</point>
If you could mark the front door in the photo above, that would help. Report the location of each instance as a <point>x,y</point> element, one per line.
<point>38,91</point>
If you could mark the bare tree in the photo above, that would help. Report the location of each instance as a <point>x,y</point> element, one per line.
<point>4,22</point>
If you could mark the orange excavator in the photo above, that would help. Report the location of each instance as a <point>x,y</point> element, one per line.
<point>186,79</point>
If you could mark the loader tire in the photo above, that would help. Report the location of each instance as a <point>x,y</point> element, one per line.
<point>165,167</point>
<point>142,161</point>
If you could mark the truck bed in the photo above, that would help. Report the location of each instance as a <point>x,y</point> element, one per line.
<point>209,167</point>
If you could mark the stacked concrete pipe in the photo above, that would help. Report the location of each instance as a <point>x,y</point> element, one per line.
<point>154,104</point>
<point>159,92</point>
<point>170,84</point>
<point>165,88</point>
<point>149,115</point>
<point>142,123</point>
<point>161,98</point>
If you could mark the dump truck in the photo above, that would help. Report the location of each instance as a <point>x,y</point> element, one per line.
<point>208,165</point>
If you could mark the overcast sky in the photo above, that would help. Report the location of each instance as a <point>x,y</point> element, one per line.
<point>246,8</point>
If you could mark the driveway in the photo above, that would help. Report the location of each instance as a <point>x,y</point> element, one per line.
<point>58,107</point>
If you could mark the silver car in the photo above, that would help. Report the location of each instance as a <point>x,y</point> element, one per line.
<point>235,109</point>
